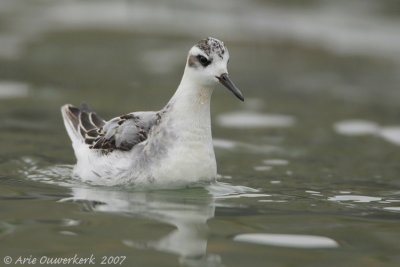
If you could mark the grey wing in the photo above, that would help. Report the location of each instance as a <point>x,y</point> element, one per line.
<point>83,123</point>
<point>124,132</point>
<point>120,133</point>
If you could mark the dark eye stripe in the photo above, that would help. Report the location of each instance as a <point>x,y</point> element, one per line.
<point>203,60</point>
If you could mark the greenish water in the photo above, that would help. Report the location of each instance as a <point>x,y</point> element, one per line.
<point>312,155</point>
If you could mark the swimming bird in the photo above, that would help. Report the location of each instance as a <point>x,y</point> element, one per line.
<point>167,148</point>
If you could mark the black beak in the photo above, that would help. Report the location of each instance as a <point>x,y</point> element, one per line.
<point>227,82</point>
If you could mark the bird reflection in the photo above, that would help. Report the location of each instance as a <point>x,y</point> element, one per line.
<point>188,210</point>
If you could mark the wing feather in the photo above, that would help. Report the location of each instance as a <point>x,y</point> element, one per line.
<point>120,133</point>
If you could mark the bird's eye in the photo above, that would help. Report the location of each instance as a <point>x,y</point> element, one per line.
<point>203,60</point>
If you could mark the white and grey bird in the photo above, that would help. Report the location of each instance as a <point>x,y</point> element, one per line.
<point>167,148</point>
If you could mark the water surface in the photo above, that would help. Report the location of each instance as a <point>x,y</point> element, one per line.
<point>309,164</point>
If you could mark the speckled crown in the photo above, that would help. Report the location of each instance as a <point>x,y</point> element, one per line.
<point>212,46</point>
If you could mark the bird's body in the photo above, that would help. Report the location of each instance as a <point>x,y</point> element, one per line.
<point>170,147</point>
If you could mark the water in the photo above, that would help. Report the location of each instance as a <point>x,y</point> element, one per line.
<point>309,164</point>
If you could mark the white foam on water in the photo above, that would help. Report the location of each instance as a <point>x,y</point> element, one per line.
<point>272,201</point>
<point>70,222</point>
<point>248,120</point>
<point>354,198</point>
<point>275,182</point>
<point>241,196</point>
<point>395,209</point>
<point>390,134</point>
<point>356,127</point>
<point>340,27</point>
<point>288,240</point>
<point>69,233</point>
<point>224,190</point>
<point>244,147</point>
<point>223,143</point>
<point>262,168</point>
<point>12,89</point>
<point>312,192</point>
<point>276,162</point>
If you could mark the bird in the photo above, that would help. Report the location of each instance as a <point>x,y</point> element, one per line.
<point>171,147</point>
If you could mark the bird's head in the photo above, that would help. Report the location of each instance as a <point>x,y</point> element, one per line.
<point>207,65</point>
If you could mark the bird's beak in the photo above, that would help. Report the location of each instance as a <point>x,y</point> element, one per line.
<point>227,82</point>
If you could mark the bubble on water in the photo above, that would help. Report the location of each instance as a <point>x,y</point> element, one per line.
<point>254,120</point>
<point>288,240</point>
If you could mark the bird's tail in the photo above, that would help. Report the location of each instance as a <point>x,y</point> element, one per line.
<point>78,121</point>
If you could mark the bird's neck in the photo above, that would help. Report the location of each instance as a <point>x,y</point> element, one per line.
<point>189,108</point>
